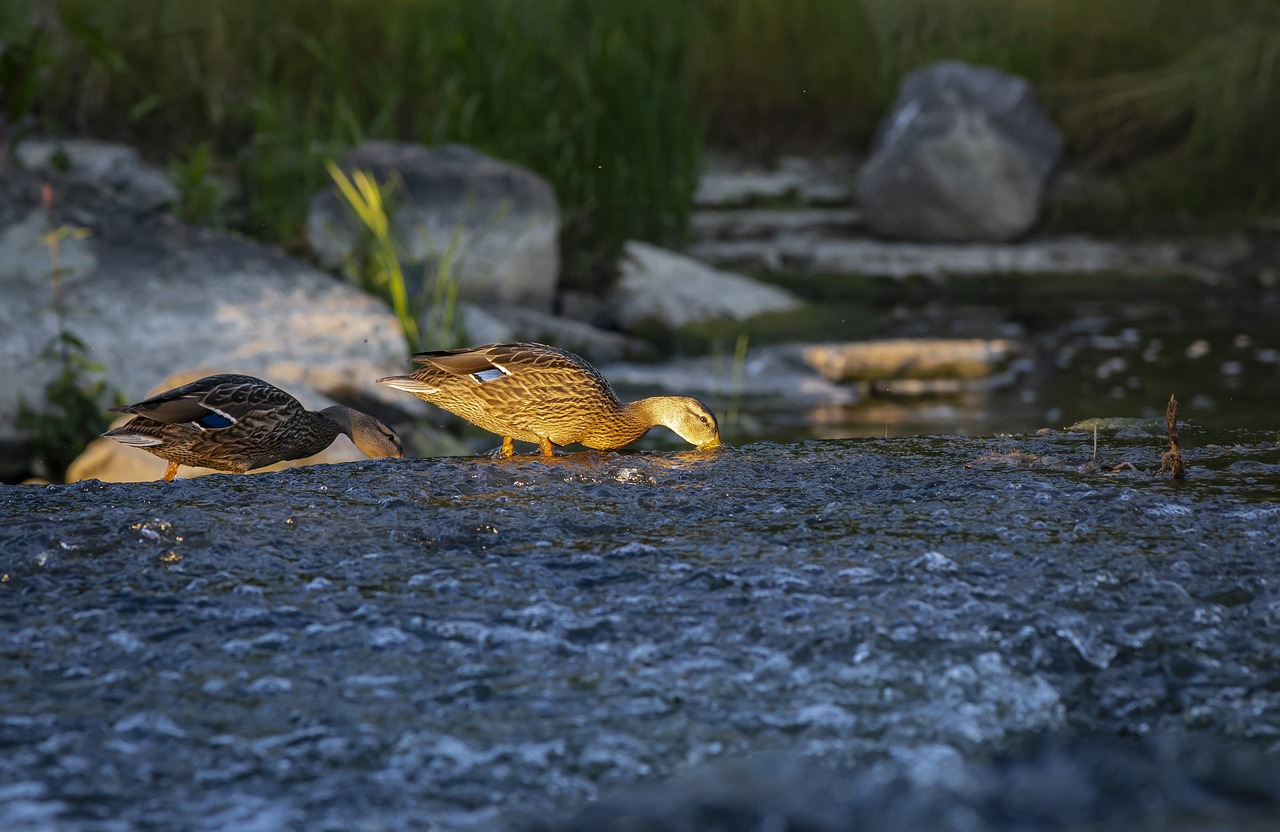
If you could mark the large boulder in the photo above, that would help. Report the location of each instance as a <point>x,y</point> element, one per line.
<point>661,287</point>
<point>502,221</point>
<point>966,153</point>
<point>149,296</point>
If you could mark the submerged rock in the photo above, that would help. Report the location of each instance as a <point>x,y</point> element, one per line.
<point>909,358</point>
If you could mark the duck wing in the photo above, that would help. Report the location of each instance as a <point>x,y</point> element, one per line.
<point>494,361</point>
<point>213,402</point>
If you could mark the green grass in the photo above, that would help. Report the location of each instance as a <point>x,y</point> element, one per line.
<point>588,94</point>
<point>613,102</point>
<point>1177,100</point>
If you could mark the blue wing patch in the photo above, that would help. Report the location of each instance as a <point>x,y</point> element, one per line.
<point>488,375</point>
<point>213,421</point>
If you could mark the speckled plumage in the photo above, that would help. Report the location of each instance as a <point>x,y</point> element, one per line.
<point>236,423</point>
<point>538,393</point>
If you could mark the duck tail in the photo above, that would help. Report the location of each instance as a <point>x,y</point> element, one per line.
<point>409,384</point>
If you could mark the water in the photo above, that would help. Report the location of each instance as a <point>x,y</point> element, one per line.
<point>469,643</point>
<point>1087,346</point>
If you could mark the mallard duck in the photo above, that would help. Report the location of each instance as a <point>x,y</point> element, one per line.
<point>236,423</point>
<point>537,393</point>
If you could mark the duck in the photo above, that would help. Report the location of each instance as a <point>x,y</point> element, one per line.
<point>235,423</point>
<point>543,394</point>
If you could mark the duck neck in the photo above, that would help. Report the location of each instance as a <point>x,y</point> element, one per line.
<point>635,418</point>
<point>327,424</point>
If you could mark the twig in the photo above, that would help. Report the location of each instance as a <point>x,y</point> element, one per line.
<point>1172,459</point>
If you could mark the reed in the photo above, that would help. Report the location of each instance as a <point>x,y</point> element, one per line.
<point>589,94</point>
<point>613,101</point>
<point>379,268</point>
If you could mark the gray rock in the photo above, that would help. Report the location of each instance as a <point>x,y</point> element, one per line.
<point>116,166</point>
<point>506,322</point>
<point>769,223</point>
<point>150,296</point>
<point>729,182</point>
<point>961,359</point>
<point>481,326</point>
<point>883,258</point>
<point>500,222</point>
<point>1091,782</point>
<point>966,153</point>
<point>766,373</point>
<point>589,341</point>
<point>669,289</point>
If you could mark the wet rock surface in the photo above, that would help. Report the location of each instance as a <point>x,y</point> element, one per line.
<point>467,643</point>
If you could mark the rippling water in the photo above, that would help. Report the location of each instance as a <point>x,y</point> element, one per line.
<point>468,643</point>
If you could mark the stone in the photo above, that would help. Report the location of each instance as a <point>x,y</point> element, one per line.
<point>499,221</point>
<point>497,323</point>
<point>149,296</point>
<point>1093,781</point>
<point>765,373</point>
<point>591,342</point>
<point>657,286</point>
<point>730,182</point>
<point>966,153</point>
<point>116,166</point>
<point>909,358</point>
<point>886,258</point>
<point>770,223</point>
<point>109,461</point>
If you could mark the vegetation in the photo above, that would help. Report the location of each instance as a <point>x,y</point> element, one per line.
<point>379,266</point>
<point>72,411</point>
<point>1174,99</point>
<point>588,94</point>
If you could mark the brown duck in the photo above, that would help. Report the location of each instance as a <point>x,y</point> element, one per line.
<point>537,393</point>
<point>236,423</point>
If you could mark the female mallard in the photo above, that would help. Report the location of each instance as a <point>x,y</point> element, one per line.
<point>537,393</point>
<point>236,423</point>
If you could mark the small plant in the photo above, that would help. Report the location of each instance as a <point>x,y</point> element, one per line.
<point>381,271</point>
<point>736,375</point>
<point>444,329</point>
<point>204,198</point>
<point>736,372</point>
<point>429,317</point>
<point>73,411</point>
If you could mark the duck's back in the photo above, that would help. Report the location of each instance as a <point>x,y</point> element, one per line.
<point>522,390</point>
